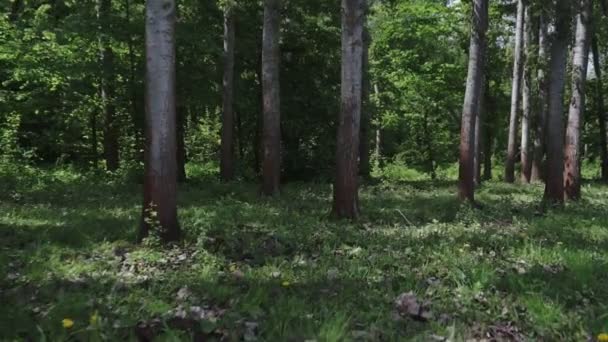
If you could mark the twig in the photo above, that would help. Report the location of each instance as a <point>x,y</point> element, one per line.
<point>405,218</point>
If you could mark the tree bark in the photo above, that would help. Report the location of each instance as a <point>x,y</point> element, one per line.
<point>554,189</point>
<point>601,109</point>
<point>346,187</point>
<point>15,8</point>
<point>540,119</point>
<point>136,117</point>
<point>479,136</point>
<point>364,146</point>
<point>93,127</point>
<point>271,164</point>
<point>227,144</point>
<point>526,162</point>
<point>580,59</point>
<point>378,138</point>
<point>466,184</point>
<point>160,184</point>
<point>181,143</point>
<point>515,93</point>
<point>106,59</point>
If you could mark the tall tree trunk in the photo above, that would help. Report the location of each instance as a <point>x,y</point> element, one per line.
<point>529,45</point>
<point>136,119</point>
<point>271,164</point>
<point>106,58</point>
<point>160,184</point>
<point>601,109</point>
<point>580,59</point>
<point>378,138</point>
<point>466,184</point>
<point>515,93</point>
<point>479,136</point>
<point>181,143</point>
<point>364,146</point>
<point>554,189</point>
<point>227,145</point>
<point>346,187</point>
<point>93,127</point>
<point>540,119</point>
<point>15,8</point>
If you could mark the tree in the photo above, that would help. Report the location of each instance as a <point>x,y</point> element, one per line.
<point>366,115</point>
<point>107,88</point>
<point>346,187</point>
<point>271,163</point>
<point>580,59</point>
<point>529,47</point>
<point>473,92</point>
<point>515,92</point>
<point>227,144</point>
<point>601,109</point>
<point>543,99</point>
<point>160,183</point>
<point>554,188</point>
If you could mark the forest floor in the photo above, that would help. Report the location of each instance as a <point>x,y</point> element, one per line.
<point>417,266</point>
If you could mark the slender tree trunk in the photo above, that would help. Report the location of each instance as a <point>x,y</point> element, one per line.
<point>479,136</point>
<point>540,118</point>
<point>466,184</point>
<point>364,146</point>
<point>515,93</point>
<point>526,157</point>
<point>15,8</point>
<point>106,58</point>
<point>554,189</point>
<point>580,59</point>
<point>378,138</point>
<point>181,143</point>
<point>346,187</point>
<point>93,127</point>
<point>135,109</point>
<point>227,148</point>
<point>487,131</point>
<point>160,184</point>
<point>271,165</point>
<point>601,109</point>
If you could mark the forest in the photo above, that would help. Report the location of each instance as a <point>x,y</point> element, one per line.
<point>303,170</point>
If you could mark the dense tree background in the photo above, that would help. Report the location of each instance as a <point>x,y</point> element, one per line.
<point>51,77</point>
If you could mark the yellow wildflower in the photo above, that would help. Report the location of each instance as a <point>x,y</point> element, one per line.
<point>94,318</point>
<point>286,283</point>
<point>603,337</point>
<point>67,323</point>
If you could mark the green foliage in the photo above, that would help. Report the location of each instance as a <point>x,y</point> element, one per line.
<point>281,269</point>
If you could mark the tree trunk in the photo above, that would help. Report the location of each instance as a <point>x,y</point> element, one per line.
<point>580,59</point>
<point>271,164</point>
<point>136,118</point>
<point>160,184</point>
<point>181,143</point>
<point>526,162</point>
<point>106,59</point>
<point>15,8</point>
<point>93,126</point>
<point>466,184</point>
<point>601,109</point>
<point>554,189</point>
<point>538,172</point>
<point>378,138</point>
<point>515,93</point>
<point>346,187</point>
<point>364,146</point>
<point>227,145</point>
<point>479,136</point>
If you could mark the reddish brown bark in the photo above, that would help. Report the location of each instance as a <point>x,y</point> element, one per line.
<point>470,111</point>
<point>160,171</point>
<point>346,187</point>
<point>271,163</point>
<point>526,155</point>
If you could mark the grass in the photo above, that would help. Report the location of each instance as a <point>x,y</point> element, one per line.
<point>282,270</point>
